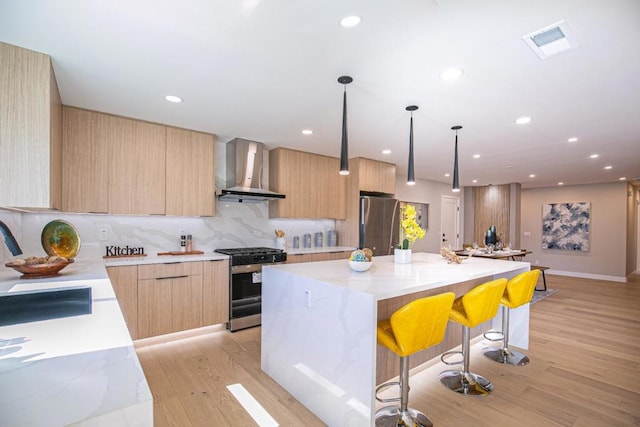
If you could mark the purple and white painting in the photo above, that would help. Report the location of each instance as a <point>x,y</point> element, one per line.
<point>566,226</point>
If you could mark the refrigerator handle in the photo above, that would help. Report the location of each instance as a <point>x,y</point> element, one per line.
<point>362,223</point>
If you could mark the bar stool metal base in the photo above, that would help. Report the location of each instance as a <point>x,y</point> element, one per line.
<point>390,416</point>
<point>468,383</point>
<point>508,357</point>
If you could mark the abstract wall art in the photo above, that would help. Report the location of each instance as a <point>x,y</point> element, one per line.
<point>565,226</point>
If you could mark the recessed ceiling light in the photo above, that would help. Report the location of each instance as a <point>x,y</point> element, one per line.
<point>452,74</point>
<point>532,175</point>
<point>474,181</point>
<point>350,21</point>
<point>523,120</point>
<point>476,156</point>
<point>594,156</point>
<point>447,174</point>
<point>622,178</point>
<point>173,98</point>
<point>387,151</point>
<point>608,167</point>
<point>561,183</point>
<point>307,132</point>
<point>572,139</point>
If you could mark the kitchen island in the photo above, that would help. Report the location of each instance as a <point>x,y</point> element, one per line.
<point>319,325</point>
<point>80,370</point>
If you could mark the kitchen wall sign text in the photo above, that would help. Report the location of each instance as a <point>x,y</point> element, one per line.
<point>123,251</point>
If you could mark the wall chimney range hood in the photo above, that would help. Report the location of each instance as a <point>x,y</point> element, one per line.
<point>244,173</point>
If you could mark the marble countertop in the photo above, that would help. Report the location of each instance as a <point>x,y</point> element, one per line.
<point>75,369</point>
<point>386,279</point>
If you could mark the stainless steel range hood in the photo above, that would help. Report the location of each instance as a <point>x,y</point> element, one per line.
<point>244,173</point>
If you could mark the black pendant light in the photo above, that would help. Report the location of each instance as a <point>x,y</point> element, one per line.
<point>411,176</point>
<point>344,150</point>
<point>456,182</point>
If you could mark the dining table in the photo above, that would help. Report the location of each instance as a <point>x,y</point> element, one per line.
<point>495,254</point>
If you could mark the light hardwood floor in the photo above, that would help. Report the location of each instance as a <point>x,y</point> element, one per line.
<point>584,370</point>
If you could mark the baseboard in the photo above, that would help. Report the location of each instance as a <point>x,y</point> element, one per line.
<point>588,275</point>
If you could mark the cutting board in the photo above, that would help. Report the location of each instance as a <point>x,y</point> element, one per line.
<point>181,253</point>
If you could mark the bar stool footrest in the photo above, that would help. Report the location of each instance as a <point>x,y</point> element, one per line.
<point>385,386</point>
<point>450,353</point>
<point>493,335</point>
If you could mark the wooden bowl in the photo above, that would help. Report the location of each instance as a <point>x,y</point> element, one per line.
<point>39,271</point>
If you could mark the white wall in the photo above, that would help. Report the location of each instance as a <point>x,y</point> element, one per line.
<point>606,258</point>
<point>429,192</point>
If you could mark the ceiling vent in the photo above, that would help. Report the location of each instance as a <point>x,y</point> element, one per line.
<point>552,40</point>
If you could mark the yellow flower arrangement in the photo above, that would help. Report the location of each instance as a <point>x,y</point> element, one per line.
<point>412,230</point>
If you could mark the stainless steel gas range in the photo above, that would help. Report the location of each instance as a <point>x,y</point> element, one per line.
<point>245,283</point>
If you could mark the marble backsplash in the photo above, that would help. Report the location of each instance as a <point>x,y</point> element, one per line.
<point>234,225</point>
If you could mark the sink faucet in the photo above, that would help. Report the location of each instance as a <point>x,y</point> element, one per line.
<point>10,240</point>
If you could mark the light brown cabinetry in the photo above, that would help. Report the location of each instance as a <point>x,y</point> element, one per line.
<point>86,153</point>
<point>137,161</point>
<point>123,166</point>
<point>112,164</point>
<point>376,176</point>
<point>30,130</point>
<point>311,183</point>
<point>125,285</point>
<point>322,256</point>
<point>215,292</point>
<point>190,182</point>
<point>169,298</point>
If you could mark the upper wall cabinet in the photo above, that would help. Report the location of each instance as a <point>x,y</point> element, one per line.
<point>123,166</point>
<point>112,164</point>
<point>311,183</point>
<point>30,130</point>
<point>376,176</point>
<point>190,173</point>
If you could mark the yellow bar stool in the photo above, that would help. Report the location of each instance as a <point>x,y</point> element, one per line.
<point>518,292</point>
<point>413,327</point>
<point>476,306</point>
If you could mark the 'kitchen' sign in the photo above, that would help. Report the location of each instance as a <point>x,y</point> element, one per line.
<point>123,251</point>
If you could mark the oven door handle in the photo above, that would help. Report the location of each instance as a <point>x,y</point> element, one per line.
<point>250,268</point>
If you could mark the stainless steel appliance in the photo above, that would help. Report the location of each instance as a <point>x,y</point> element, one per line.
<point>379,224</point>
<point>245,283</point>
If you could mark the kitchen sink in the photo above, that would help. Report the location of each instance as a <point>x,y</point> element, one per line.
<point>44,304</point>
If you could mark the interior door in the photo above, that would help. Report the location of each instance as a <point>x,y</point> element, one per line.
<point>449,222</point>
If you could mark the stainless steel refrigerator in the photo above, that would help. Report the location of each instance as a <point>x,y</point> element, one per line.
<point>379,224</point>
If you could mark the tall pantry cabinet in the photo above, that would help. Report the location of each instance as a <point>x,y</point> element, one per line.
<point>30,130</point>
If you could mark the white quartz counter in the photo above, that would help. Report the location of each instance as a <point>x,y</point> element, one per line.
<point>80,370</point>
<point>385,279</point>
<point>318,250</point>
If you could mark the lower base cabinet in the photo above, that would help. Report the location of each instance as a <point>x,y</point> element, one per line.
<point>157,299</point>
<point>169,298</point>
<point>215,292</point>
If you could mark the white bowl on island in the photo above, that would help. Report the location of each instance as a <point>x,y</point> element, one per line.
<point>360,265</point>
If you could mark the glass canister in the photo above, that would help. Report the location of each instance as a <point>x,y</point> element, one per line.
<point>296,242</point>
<point>306,240</point>
<point>332,238</point>
<point>318,239</point>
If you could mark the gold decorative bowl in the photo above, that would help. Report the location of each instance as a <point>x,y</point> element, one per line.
<point>39,271</point>
<point>60,238</point>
